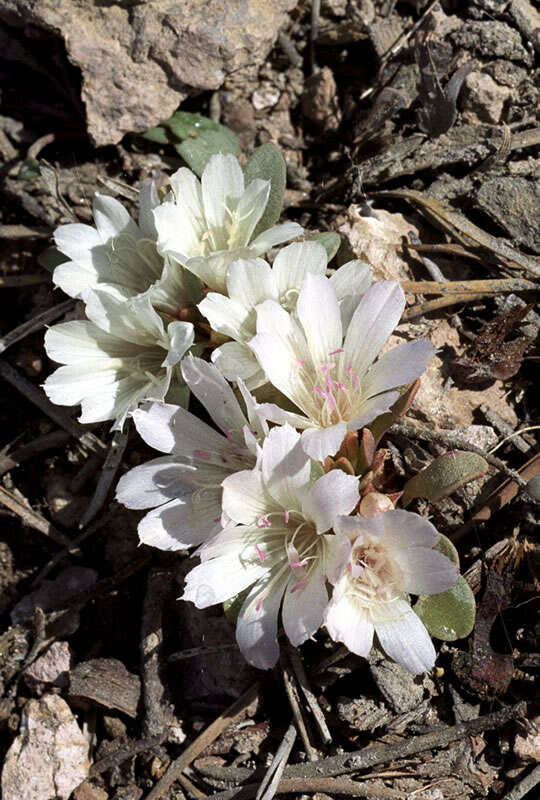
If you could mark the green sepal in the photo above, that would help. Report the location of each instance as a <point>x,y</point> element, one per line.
<point>233,605</point>
<point>317,471</point>
<point>268,164</point>
<point>449,615</point>
<point>51,257</point>
<point>330,241</point>
<point>444,475</point>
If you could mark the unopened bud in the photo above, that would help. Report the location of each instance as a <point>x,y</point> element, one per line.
<point>374,504</point>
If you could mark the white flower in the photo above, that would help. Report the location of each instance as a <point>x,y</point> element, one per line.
<point>330,377</point>
<point>117,252</point>
<point>205,225</point>
<point>252,281</point>
<point>184,487</point>
<point>391,557</point>
<point>119,357</point>
<point>277,545</point>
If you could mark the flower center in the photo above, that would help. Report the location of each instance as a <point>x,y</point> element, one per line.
<point>327,392</point>
<point>375,576</point>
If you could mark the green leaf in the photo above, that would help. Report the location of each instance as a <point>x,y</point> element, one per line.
<point>444,475</point>
<point>158,135</point>
<point>29,170</point>
<point>449,615</point>
<point>330,241</point>
<point>51,258</point>
<point>267,163</point>
<point>446,547</point>
<point>198,151</point>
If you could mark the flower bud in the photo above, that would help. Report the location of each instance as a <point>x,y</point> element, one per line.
<point>374,504</point>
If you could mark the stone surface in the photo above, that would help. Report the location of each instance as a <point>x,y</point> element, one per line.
<point>49,757</point>
<point>514,204</point>
<point>377,241</point>
<point>483,100</point>
<point>50,668</point>
<point>140,60</point>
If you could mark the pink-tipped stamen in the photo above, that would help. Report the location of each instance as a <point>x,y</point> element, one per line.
<point>286,515</point>
<point>299,585</point>
<point>300,361</point>
<point>262,555</point>
<point>355,380</point>
<point>298,564</point>
<point>263,522</point>
<point>349,369</point>
<point>228,434</point>
<point>202,454</point>
<point>319,391</point>
<point>259,604</point>
<point>335,352</point>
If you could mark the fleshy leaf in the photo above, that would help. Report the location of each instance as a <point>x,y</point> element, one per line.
<point>158,135</point>
<point>449,615</point>
<point>444,475</point>
<point>329,240</point>
<point>317,471</point>
<point>268,164</point>
<point>198,151</point>
<point>379,427</point>
<point>446,547</point>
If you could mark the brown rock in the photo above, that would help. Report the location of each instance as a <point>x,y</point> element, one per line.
<point>49,757</point>
<point>107,682</point>
<point>320,101</point>
<point>483,99</point>
<point>87,791</point>
<point>140,60</point>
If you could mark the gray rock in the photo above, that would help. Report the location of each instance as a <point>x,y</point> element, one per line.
<point>139,61</point>
<point>514,204</point>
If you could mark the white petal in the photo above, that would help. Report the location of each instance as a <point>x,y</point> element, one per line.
<point>213,391</point>
<point>318,311</point>
<point>220,579</point>
<point>256,629</point>
<point>275,413</point>
<point>181,337</point>
<point>426,571</point>
<point>407,529</point>
<point>78,342</point>
<point>249,211</point>
<point>348,623</point>
<point>74,279</point>
<point>350,282</point>
<point>177,235</point>
<point>237,362</point>
<point>367,410</point>
<point>276,235</point>
<point>332,494</point>
<point>148,200</point>
<point>69,385</point>
<point>399,366</point>
<point>337,549</point>
<point>227,316</point>
<point>222,187</point>
<point>174,526</point>
<point>304,607</point>
<point>112,218</point>
<point>79,242</point>
<point>321,442</point>
<point>407,641</point>
<point>151,484</point>
<point>293,262</point>
<point>249,281</point>
<point>286,469</point>
<point>170,428</point>
<point>378,313</point>
<point>245,498</point>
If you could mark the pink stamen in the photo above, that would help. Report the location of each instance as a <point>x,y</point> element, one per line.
<point>335,352</point>
<point>299,585</point>
<point>228,434</point>
<point>298,564</point>
<point>202,454</point>
<point>300,361</point>
<point>262,555</point>
<point>342,387</point>
<point>286,515</point>
<point>331,401</point>
<point>259,604</point>
<point>349,369</point>
<point>263,522</point>
<point>327,367</point>
<point>319,391</point>
<point>355,380</point>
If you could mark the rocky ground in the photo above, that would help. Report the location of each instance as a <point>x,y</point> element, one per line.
<point>412,130</point>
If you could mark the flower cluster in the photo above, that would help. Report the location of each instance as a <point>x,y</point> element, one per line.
<point>284,358</point>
